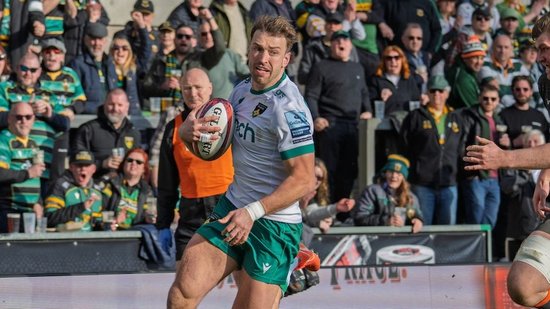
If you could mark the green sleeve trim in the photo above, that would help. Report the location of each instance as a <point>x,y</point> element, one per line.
<point>296,152</point>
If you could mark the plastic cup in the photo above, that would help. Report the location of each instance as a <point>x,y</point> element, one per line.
<point>155,104</point>
<point>29,222</point>
<point>108,219</point>
<point>414,105</point>
<point>13,223</point>
<point>379,107</point>
<point>41,225</point>
<point>400,212</point>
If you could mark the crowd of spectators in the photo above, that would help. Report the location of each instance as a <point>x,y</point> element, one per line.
<point>444,71</point>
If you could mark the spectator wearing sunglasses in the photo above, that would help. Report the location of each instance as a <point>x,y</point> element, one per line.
<point>480,189</point>
<point>128,66</point>
<point>25,86</point>
<point>95,68</point>
<point>432,138</point>
<point>19,172</point>
<point>162,79</point>
<point>126,193</point>
<point>466,9</point>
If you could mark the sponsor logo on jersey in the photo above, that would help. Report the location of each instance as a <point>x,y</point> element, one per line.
<point>297,123</point>
<point>245,131</point>
<point>266,267</point>
<point>279,94</point>
<point>259,109</point>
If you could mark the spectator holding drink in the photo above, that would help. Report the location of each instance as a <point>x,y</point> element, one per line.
<point>20,167</point>
<point>109,136</point>
<point>390,203</point>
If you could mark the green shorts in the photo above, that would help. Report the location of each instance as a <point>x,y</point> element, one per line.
<point>268,253</point>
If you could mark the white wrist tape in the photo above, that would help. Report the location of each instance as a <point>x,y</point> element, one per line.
<point>255,210</point>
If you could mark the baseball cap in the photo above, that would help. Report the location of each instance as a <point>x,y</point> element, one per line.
<point>472,48</point>
<point>96,30</point>
<point>340,34</point>
<point>82,157</point>
<point>508,13</point>
<point>438,82</point>
<point>335,17</point>
<point>55,43</point>
<point>144,6</point>
<point>166,26</point>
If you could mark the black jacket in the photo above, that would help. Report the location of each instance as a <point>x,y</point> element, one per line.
<point>406,90</point>
<point>100,137</point>
<point>432,164</point>
<point>476,124</point>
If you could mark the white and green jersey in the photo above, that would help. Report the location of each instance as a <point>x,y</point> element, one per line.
<point>271,126</point>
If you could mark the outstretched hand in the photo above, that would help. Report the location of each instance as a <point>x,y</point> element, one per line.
<point>486,155</point>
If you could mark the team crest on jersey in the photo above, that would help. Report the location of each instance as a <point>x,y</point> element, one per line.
<point>298,124</point>
<point>426,124</point>
<point>419,13</point>
<point>259,109</point>
<point>129,142</point>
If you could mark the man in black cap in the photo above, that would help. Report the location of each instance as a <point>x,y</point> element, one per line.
<point>75,196</point>
<point>95,68</point>
<point>481,27</point>
<point>338,97</point>
<point>78,15</point>
<point>318,48</point>
<point>140,28</point>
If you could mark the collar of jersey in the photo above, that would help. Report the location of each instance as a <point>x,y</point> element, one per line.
<point>270,88</point>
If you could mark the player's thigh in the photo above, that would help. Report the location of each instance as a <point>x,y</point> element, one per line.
<point>202,266</point>
<point>256,294</point>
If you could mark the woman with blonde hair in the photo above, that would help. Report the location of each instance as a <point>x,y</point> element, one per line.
<point>128,66</point>
<point>394,83</point>
<point>390,203</point>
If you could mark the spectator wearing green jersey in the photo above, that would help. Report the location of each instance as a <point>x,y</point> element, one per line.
<point>50,122</point>
<point>19,171</point>
<point>65,84</point>
<point>75,196</point>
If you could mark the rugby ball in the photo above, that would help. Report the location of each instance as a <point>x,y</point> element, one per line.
<point>211,150</point>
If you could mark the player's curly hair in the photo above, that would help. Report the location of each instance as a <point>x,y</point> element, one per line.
<point>541,25</point>
<point>276,26</point>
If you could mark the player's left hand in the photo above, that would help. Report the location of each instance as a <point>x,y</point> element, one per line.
<point>239,223</point>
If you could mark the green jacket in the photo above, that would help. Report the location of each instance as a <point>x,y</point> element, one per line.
<point>465,90</point>
<point>223,21</point>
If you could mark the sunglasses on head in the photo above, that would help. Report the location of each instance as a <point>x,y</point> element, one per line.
<point>26,117</point>
<point>25,68</point>
<point>180,36</point>
<point>130,160</point>
<point>418,38</point>
<point>121,47</point>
